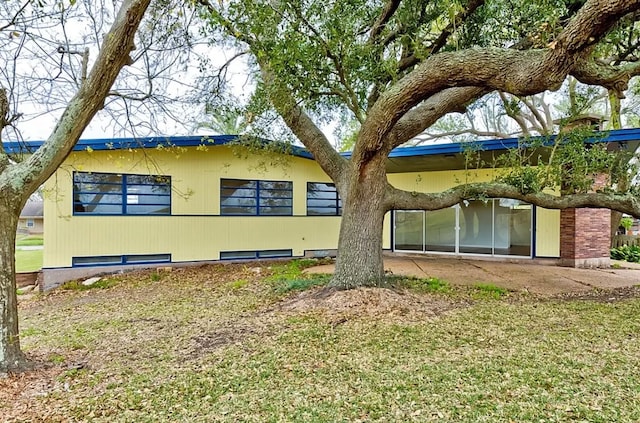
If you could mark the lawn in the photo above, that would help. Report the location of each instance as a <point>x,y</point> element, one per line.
<point>28,260</point>
<point>241,343</point>
<point>29,240</point>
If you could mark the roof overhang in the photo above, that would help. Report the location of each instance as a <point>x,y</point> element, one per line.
<point>451,156</point>
<point>433,157</point>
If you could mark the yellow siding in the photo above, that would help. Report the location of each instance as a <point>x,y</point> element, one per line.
<point>195,231</point>
<point>200,234</point>
<point>186,238</point>
<point>547,232</point>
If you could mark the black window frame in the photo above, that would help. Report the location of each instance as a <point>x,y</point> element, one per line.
<point>331,199</point>
<point>257,201</point>
<point>121,189</point>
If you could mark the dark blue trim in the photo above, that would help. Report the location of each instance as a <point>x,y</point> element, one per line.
<point>619,135</point>
<point>256,254</point>
<point>123,260</point>
<point>99,144</point>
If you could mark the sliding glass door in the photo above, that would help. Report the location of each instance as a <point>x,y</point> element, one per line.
<point>494,227</point>
<point>409,232</point>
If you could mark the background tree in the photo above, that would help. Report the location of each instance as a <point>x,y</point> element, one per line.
<point>396,67</point>
<point>24,24</point>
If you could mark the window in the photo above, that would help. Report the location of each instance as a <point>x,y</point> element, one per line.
<point>126,259</point>
<point>115,194</point>
<point>30,223</point>
<point>240,197</point>
<point>236,255</point>
<point>323,199</point>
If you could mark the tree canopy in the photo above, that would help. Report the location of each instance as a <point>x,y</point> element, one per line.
<point>395,67</point>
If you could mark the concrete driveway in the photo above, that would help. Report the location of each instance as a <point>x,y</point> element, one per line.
<point>532,276</point>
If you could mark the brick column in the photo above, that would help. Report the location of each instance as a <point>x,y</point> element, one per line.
<point>585,235</point>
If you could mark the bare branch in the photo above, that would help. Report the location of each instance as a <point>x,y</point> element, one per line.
<point>114,55</point>
<point>14,20</point>
<point>471,131</point>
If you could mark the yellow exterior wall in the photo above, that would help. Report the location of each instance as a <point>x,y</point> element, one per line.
<point>547,229</point>
<point>194,231</point>
<point>547,232</point>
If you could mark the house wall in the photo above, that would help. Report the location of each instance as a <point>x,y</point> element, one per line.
<point>37,228</point>
<point>195,231</point>
<point>547,222</point>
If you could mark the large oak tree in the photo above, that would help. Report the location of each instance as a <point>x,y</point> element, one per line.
<point>397,66</point>
<point>20,178</point>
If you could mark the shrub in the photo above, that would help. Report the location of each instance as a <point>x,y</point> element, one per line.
<point>629,253</point>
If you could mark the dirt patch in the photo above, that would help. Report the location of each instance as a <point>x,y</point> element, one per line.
<point>25,395</point>
<point>370,302</point>
<point>205,343</point>
<point>26,278</point>
<point>603,295</point>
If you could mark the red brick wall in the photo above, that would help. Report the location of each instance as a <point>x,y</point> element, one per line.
<point>584,234</point>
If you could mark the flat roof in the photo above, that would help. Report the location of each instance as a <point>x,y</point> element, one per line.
<point>441,156</point>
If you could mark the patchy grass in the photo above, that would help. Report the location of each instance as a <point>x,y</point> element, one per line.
<point>301,283</point>
<point>191,347</point>
<point>28,260</point>
<point>101,284</point>
<point>488,290</point>
<point>424,285</point>
<point>290,276</point>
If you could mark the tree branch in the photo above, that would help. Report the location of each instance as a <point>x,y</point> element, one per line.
<point>14,19</point>
<point>113,56</point>
<point>404,200</point>
<point>517,72</point>
<point>593,72</point>
<point>349,97</point>
<point>426,114</point>
<point>472,131</point>
<point>387,12</point>
<point>441,41</point>
<point>303,127</point>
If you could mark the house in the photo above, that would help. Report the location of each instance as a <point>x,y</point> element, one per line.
<point>126,203</point>
<point>31,220</point>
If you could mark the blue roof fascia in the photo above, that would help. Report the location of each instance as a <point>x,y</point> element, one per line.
<point>100,144</point>
<point>620,135</point>
<point>12,147</point>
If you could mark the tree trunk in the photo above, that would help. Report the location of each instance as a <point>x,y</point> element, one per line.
<point>11,357</point>
<point>616,123</point>
<point>359,261</point>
